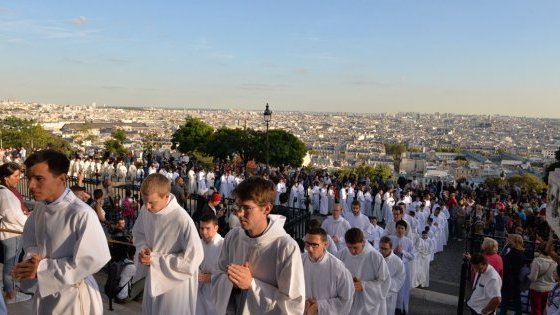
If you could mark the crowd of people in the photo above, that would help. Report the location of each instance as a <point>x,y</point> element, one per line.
<point>371,242</point>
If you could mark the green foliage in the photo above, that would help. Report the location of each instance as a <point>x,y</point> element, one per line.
<point>395,149</point>
<point>284,148</point>
<point>114,145</point>
<point>461,160</point>
<point>378,171</point>
<point>193,135</point>
<point>17,132</point>
<point>205,160</point>
<point>227,142</point>
<point>149,141</point>
<point>527,183</point>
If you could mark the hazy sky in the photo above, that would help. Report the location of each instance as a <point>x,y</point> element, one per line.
<point>499,56</point>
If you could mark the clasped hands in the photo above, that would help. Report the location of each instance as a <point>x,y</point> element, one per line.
<point>240,275</point>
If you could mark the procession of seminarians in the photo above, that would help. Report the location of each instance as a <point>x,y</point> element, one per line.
<point>256,268</point>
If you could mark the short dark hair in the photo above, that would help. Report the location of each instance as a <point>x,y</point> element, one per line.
<point>318,231</point>
<point>356,203</point>
<point>57,161</point>
<point>477,259</point>
<point>98,193</point>
<point>402,223</point>
<point>209,217</point>
<point>387,240</point>
<point>354,236</point>
<point>313,223</point>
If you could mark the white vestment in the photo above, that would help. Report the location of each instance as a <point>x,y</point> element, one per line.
<point>330,283</point>
<point>68,234</point>
<point>274,259</point>
<point>205,301</point>
<point>323,202</point>
<point>336,228</point>
<point>370,268</point>
<point>172,278</point>
<point>407,257</point>
<point>359,221</point>
<point>422,259</point>
<point>398,276</point>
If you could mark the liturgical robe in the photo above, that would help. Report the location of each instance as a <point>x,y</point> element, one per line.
<point>172,278</point>
<point>205,301</point>
<point>398,275</point>
<point>68,234</point>
<point>275,261</point>
<point>330,283</point>
<point>370,267</point>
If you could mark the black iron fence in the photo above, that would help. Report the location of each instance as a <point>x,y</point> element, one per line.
<point>295,225</point>
<point>473,244</point>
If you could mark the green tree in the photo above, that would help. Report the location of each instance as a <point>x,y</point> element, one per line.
<point>227,142</point>
<point>527,182</point>
<point>284,148</point>
<point>396,150</point>
<point>17,132</point>
<point>114,145</point>
<point>191,136</point>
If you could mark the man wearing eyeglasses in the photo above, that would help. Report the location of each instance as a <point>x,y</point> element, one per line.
<point>369,271</point>
<point>260,268</point>
<point>396,269</point>
<point>328,284</point>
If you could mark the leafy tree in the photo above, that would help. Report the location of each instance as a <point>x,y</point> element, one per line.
<point>284,148</point>
<point>114,145</point>
<point>193,135</point>
<point>227,142</point>
<point>17,132</point>
<point>527,183</point>
<point>378,171</point>
<point>149,141</point>
<point>396,150</point>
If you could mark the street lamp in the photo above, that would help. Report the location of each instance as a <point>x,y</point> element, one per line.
<point>267,116</point>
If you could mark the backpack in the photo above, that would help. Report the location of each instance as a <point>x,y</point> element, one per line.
<point>112,287</point>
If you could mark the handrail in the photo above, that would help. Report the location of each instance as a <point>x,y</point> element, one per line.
<point>11,231</point>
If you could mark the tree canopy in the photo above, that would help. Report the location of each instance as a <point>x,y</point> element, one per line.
<point>114,145</point>
<point>17,132</point>
<point>193,135</point>
<point>246,144</point>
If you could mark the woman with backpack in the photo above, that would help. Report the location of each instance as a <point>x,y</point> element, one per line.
<point>513,261</point>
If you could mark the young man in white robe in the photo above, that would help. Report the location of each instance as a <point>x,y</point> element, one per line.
<point>369,272</point>
<point>212,244</point>
<point>357,219</point>
<point>63,241</point>
<point>396,269</point>
<point>374,233</point>
<point>398,215</point>
<point>260,268</point>
<point>378,201</point>
<point>423,248</point>
<point>168,249</point>
<point>403,248</point>
<point>329,288</point>
<point>336,226</point>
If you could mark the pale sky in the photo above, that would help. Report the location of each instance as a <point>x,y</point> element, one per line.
<point>475,57</point>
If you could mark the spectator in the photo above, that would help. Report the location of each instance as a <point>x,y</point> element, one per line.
<point>513,261</point>
<point>542,280</point>
<point>486,296</point>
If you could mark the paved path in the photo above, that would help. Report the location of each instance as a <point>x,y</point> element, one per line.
<point>439,298</point>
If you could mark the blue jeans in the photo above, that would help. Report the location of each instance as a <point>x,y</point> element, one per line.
<point>12,250</point>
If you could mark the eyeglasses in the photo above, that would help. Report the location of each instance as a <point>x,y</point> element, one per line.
<point>312,245</point>
<point>244,207</point>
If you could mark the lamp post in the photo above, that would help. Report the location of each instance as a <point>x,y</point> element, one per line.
<point>267,116</point>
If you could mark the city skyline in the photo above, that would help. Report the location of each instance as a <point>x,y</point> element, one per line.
<point>365,57</point>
